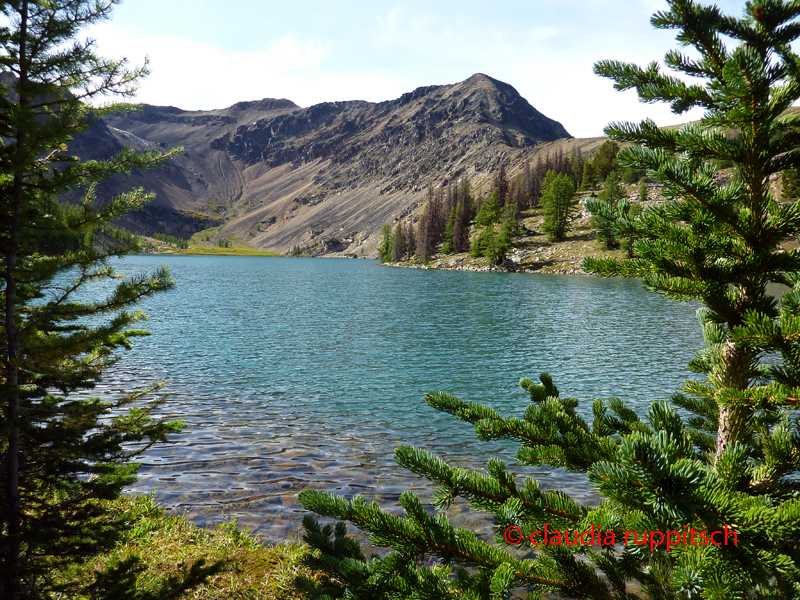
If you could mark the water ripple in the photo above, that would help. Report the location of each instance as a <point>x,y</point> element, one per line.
<point>307,373</point>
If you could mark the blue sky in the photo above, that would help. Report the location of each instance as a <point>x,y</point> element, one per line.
<point>207,54</point>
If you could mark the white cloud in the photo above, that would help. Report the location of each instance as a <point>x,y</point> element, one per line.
<point>541,34</point>
<point>199,76</point>
<point>381,52</point>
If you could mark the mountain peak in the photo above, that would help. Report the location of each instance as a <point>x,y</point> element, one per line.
<point>502,105</point>
<point>284,175</point>
<point>264,104</point>
<point>481,78</point>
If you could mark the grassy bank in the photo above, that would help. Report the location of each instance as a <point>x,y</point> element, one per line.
<point>166,556</point>
<point>216,250</point>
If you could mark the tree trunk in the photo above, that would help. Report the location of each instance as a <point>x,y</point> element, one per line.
<point>732,420</point>
<point>11,580</point>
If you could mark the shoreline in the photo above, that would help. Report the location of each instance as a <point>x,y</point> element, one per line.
<point>447,264</point>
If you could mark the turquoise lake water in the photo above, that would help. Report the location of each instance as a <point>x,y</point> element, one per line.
<point>298,373</point>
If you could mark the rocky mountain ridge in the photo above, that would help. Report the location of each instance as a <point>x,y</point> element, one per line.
<point>275,175</point>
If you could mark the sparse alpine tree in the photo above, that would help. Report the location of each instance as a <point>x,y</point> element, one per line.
<point>385,245</point>
<point>61,453</point>
<point>609,219</point>
<point>500,183</point>
<point>431,227</point>
<point>576,163</point>
<point>463,216</point>
<point>724,480</point>
<point>557,162</point>
<point>612,191</point>
<point>399,243</point>
<point>589,179</point>
<point>411,242</point>
<point>482,241</point>
<point>491,210</point>
<point>447,243</point>
<point>605,159</point>
<point>630,175</point>
<point>642,190</point>
<point>527,183</point>
<point>535,182</point>
<point>559,205</point>
<point>516,200</point>
<point>449,202</point>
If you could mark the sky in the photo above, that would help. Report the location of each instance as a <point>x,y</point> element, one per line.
<point>207,54</point>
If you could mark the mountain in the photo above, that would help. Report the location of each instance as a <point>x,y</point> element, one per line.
<point>277,175</point>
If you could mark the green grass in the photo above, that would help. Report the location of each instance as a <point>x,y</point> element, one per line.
<point>216,250</point>
<point>166,556</point>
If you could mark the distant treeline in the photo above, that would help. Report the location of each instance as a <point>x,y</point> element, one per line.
<point>452,211</point>
<point>171,240</point>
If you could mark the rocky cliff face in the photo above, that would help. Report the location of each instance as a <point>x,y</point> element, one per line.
<point>277,175</point>
<point>383,138</point>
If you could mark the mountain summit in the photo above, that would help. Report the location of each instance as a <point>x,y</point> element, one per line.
<point>430,118</point>
<point>277,175</point>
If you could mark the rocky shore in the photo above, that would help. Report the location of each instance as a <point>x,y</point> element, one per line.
<point>533,252</point>
<point>464,262</point>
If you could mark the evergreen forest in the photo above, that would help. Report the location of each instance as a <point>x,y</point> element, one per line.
<point>456,218</point>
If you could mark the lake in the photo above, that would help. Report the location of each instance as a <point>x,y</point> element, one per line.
<point>297,373</point>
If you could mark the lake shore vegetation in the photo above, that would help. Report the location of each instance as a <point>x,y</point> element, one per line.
<point>164,555</point>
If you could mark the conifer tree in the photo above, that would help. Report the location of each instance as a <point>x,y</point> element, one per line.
<point>463,216</point>
<point>483,243</point>
<point>715,494</point>
<point>559,205</point>
<point>491,209</point>
<point>439,215</point>
<point>612,191</point>
<point>399,243</point>
<point>633,211</point>
<point>500,183</point>
<point>607,219</point>
<point>589,179</point>
<point>630,175</point>
<point>642,190</point>
<point>447,243</point>
<point>385,246</point>
<point>607,209</point>
<point>411,242</point>
<point>427,229</point>
<point>449,202</point>
<point>576,163</point>
<point>516,199</point>
<point>605,159</point>
<point>537,176</point>
<point>460,230</point>
<point>431,227</point>
<point>61,453</point>
<point>424,247</point>
<point>527,183</point>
